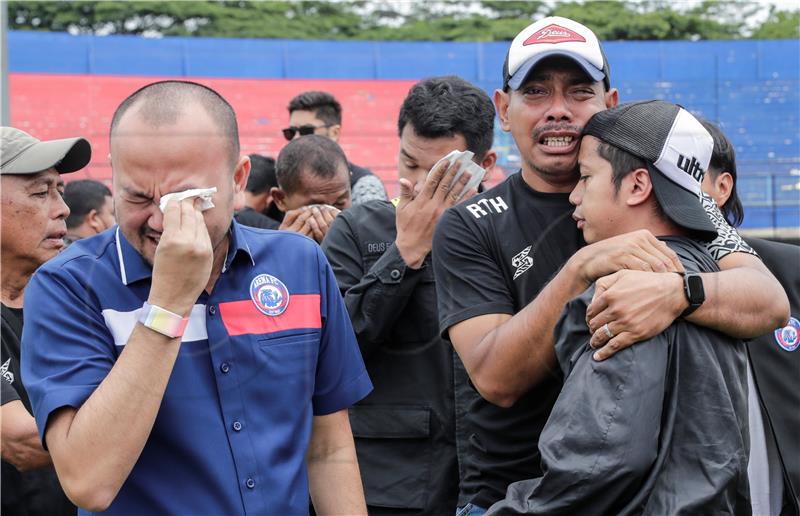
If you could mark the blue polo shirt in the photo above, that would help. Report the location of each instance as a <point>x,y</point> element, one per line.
<point>270,347</point>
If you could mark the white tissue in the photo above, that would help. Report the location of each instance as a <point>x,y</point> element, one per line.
<point>465,166</point>
<point>203,193</point>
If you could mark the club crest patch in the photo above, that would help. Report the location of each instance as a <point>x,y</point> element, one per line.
<point>788,337</point>
<point>269,294</point>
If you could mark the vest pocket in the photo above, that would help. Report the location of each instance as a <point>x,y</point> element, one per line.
<point>394,453</point>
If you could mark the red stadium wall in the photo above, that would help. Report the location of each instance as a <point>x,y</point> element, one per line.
<point>57,106</point>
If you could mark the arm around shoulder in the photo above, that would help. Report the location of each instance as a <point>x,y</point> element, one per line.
<point>743,300</point>
<point>504,354</point>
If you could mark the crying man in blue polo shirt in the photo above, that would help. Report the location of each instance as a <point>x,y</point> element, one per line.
<point>181,363</point>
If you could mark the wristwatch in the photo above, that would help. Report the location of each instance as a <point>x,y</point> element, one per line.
<point>163,321</point>
<point>693,289</point>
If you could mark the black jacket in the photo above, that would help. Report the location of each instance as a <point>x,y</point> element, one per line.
<point>404,430</point>
<point>250,217</point>
<point>776,371</point>
<point>660,428</point>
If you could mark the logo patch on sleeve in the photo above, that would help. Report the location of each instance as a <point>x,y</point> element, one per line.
<point>787,337</point>
<point>269,294</point>
<point>5,373</point>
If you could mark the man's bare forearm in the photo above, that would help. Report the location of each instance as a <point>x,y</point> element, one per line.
<point>518,353</point>
<point>95,447</point>
<point>333,476</point>
<point>21,445</point>
<point>742,302</point>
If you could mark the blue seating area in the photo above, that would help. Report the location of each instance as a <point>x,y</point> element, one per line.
<point>751,88</point>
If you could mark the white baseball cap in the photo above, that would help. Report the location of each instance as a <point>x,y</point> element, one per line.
<point>554,36</point>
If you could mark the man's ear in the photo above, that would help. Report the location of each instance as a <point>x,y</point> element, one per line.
<point>334,132</point>
<point>501,99</point>
<point>279,196</point>
<point>612,98</point>
<point>636,187</point>
<point>724,184</point>
<point>240,174</point>
<point>488,163</point>
<point>93,220</point>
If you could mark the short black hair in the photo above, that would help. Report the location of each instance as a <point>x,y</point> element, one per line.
<point>83,196</point>
<point>321,103</point>
<point>164,101</point>
<point>622,164</point>
<point>446,106</point>
<point>312,154</point>
<point>262,174</point>
<point>723,159</point>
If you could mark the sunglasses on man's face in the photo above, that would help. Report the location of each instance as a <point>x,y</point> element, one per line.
<point>303,130</point>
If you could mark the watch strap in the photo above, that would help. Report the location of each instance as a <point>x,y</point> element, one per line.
<point>163,321</point>
<point>687,290</point>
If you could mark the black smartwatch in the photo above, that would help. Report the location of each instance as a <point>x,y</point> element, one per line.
<point>693,289</point>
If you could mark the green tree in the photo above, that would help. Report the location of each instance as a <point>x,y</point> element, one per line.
<point>467,20</point>
<point>779,25</point>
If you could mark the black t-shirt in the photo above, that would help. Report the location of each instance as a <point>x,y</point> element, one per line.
<point>493,255</point>
<point>12,388</point>
<point>35,492</point>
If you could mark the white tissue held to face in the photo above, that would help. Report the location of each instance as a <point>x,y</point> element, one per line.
<point>203,193</point>
<point>465,166</point>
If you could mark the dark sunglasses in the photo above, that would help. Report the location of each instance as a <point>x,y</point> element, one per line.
<point>304,130</point>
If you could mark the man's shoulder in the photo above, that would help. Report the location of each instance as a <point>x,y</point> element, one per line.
<point>358,172</point>
<point>693,254</point>
<point>365,212</point>
<point>482,208</point>
<point>84,252</point>
<point>777,252</point>
<point>371,221</point>
<point>260,238</point>
<point>250,217</point>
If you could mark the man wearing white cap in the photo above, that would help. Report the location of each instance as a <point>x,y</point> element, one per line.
<point>33,229</point>
<point>507,263</point>
<point>664,412</point>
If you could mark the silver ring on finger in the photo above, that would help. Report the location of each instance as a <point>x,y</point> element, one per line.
<point>608,331</point>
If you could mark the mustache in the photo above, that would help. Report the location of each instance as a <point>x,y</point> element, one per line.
<point>550,128</point>
<point>144,231</point>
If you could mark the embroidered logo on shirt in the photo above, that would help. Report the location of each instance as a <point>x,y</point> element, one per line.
<point>377,247</point>
<point>522,262</point>
<point>269,294</point>
<point>787,337</point>
<point>5,373</point>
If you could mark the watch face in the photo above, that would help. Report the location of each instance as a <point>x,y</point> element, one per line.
<point>696,294</point>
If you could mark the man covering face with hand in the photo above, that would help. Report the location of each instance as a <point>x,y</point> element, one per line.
<point>185,363</point>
